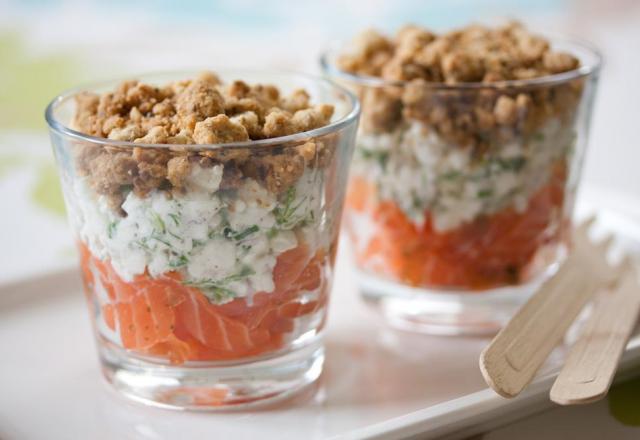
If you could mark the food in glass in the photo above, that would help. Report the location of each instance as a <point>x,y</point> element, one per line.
<point>466,165</point>
<point>206,212</point>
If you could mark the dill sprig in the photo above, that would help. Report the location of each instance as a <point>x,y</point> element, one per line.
<point>219,290</point>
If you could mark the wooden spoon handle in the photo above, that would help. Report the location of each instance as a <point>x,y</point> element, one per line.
<point>587,374</point>
<point>512,359</point>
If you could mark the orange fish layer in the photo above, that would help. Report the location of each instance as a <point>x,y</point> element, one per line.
<point>161,316</point>
<point>492,251</point>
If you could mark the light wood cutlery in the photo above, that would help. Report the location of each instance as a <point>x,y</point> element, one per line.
<point>510,362</point>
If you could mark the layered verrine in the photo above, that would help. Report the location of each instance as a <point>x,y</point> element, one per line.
<point>466,162</point>
<point>206,212</point>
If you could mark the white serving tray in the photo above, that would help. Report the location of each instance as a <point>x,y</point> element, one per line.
<point>378,383</point>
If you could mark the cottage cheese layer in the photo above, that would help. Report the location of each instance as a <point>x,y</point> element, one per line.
<point>420,172</point>
<point>225,242</point>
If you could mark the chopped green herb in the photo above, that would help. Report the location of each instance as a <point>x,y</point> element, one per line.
<point>484,193</point>
<point>282,213</point>
<point>177,237</point>
<point>232,234</point>
<point>143,244</point>
<point>415,201</point>
<point>181,261</point>
<point>221,294</point>
<point>218,290</point>
<point>286,214</point>
<point>451,175</point>
<point>511,164</point>
<point>160,239</point>
<point>246,271</point>
<point>244,234</point>
<point>111,229</point>
<point>538,137</point>
<point>196,243</point>
<point>220,229</point>
<point>215,293</point>
<point>175,218</point>
<point>206,283</point>
<point>245,249</point>
<point>382,157</point>
<point>158,223</point>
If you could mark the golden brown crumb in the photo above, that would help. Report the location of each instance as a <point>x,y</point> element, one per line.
<point>278,123</point>
<point>178,168</point>
<point>198,111</point>
<point>310,118</point>
<point>557,62</point>
<point>298,100</point>
<point>226,155</point>
<point>143,97</point>
<point>164,108</point>
<point>461,67</point>
<point>420,62</point>
<point>137,111</point>
<point>157,135</point>
<point>259,99</point>
<point>505,110</point>
<point>308,151</point>
<point>383,110</point>
<point>317,153</point>
<point>183,137</point>
<point>249,120</point>
<point>234,106</point>
<point>219,130</point>
<point>109,174</point>
<point>371,51</point>
<point>199,101</point>
<point>279,172</point>
<point>126,134</point>
<point>85,119</point>
<point>471,54</point>
<point>281,123</point>
<point>410,39</point>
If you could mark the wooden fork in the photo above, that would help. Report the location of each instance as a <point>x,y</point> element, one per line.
<point>512,359</point>
<point>592,362</point>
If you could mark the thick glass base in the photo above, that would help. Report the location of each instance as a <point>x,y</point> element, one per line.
<point>447,312</point>
<point>212,385</point>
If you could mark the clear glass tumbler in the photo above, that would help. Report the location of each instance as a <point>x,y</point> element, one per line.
<point>264,212</point>
<point>461,196</point>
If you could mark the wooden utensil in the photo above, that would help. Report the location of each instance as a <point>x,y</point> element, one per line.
<point>589,369</point>
<point>512,359</point>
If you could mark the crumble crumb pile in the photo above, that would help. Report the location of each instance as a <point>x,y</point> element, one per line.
<point>198,111</point>
<point>203,110</point>
<point>476,118</point>
<point>472,54</point>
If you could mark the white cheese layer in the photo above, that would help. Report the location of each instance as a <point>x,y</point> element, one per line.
<point>423,174</point>
<point>225,242</point>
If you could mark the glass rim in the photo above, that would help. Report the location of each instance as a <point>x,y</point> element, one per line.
<point>350,117</point>
<point>590,69</point>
